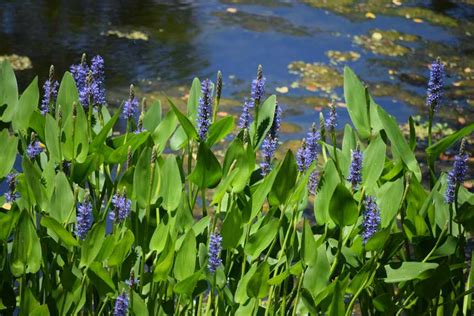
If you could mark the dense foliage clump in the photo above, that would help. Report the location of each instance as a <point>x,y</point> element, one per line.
<point>155,220</point>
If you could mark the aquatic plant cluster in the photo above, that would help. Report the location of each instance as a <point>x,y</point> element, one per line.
<point>155,220</point>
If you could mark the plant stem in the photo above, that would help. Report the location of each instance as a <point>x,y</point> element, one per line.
<point>429,158</point>
<point>297,298</point>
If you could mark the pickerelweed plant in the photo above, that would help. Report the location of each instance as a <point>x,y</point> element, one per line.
<point>150,221</point>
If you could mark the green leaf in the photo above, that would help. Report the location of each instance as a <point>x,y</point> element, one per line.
<point>377,241</point>
<point>164,131</point>
<point>171,187</point>
<point>26,105</point>
<point>35,185</point>
<point>207,172</point>
<point>317,275</point>
<point>67,95</point>
<point>8,152</point>
<point>241,293</point>
<point>261,192</point>
<point>374,161</point>
<point>399,144</point>
<point>8,221</point>
<point>308,247</point>
<point>184,121</point>
<point>266,111</point>
<point>138,307</point>
<point>185,258</point>
<point>259,241</point>
<point>51,131</point>
<point>436,149</point>
<point>122,249</point>
<point>343,208</point>
<point>58,230</point>
<point>153,116</point>
<point>285,180</point>
<point>165,261</point>
<point>146,192</point>
<point>356,101</point>
<point>92,244</point>
<point>158,240</point>
<point>219,130</point>
<point>407,271</point>
<point>389,198</point>
<point>187,286</point>
<point>193,100</point>
<point>99,141</point>
<point>238,157</point>
<point>8,90</point>
<point>329,181</point>
<point>258,284</point>
<point>337,303</point>
<point>100,278</point>
<point>26,253</point>
<point>231,229</point>
<point>224,186</point>
<point>62,201</point>
<point>349,143</point>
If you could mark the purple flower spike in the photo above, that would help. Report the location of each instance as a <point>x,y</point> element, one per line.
<point>215,247</point>
<point>355,171</point>
<point>301,156</point>
<point>457,174</point>
<point>312,146</point>
<point>98,75</point>
<point>331,120</point>
<point>371,218</point>
<point>313,182</point>
<point>258,88</point>
<point>270,142</point>
<point>245,117</point>
<point>79,73</point>
<point>121,305</point>
<point>435,85</point>
<point>121,208</point>
<point>34,149</point>
<point>11,195</point>
<point>131,105</point>
<point>50,88</point>
<point>204,109</point>
<point>84,219</point>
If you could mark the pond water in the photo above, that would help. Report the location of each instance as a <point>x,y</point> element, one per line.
<point>303,46</point>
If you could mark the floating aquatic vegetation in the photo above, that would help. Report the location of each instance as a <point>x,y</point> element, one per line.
<point>262,23</point>
<point>372,8</point>
<point>17,62</point>
<point>131,35</point>
<point>338,57</point>
<point>384,42</point>
<point>316,76</point>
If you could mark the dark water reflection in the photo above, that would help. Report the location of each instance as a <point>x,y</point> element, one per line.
<point>197,38</point>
